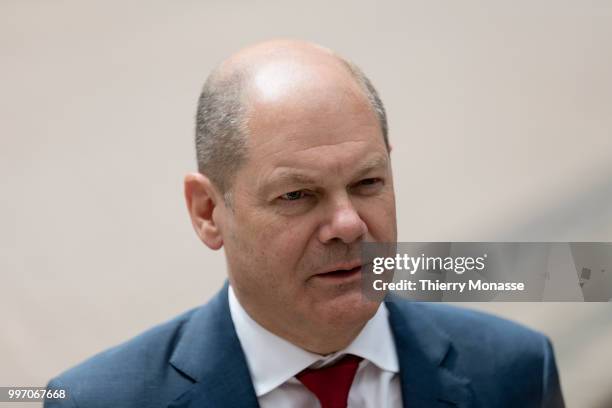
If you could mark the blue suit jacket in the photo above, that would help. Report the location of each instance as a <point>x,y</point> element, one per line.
<point>448,357</point>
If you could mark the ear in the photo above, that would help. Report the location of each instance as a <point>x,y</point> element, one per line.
<point>203,200</point>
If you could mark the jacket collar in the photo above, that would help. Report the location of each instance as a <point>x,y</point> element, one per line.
<point>210,355</point>
<point>426,356</point>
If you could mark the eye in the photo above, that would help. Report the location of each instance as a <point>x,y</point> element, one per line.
<point>293,195</point>
<point>368,186</point>
<point>369,181</point>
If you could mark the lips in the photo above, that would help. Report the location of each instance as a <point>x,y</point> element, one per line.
<point>341,268</point>
<point>340,273</point>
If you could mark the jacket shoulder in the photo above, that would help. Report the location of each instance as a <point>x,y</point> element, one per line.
<point>467,327</point>
<point>492,352</point>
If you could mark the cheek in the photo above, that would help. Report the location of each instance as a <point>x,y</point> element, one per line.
<point>274,243</point>
<point>379,216</point>
<point>286,241</point>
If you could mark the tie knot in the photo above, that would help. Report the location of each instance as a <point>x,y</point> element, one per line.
<point>331,384</point>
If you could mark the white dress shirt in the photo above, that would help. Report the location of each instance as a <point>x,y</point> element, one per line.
<point>273,363</point>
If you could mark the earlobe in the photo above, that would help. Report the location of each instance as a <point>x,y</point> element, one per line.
<point>202,199</point>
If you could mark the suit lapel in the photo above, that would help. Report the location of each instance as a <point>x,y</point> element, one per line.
<point>209,353</point>
<point>425,355</point>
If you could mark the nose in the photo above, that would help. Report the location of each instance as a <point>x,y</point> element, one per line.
<point>343,224</point>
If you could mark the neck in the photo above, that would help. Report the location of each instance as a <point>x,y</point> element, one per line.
<point>322,341</point>
<point>316,337</point>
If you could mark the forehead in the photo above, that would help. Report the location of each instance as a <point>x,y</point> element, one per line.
<point>329,119</point>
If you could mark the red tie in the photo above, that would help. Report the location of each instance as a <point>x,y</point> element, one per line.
<point>331,384</point>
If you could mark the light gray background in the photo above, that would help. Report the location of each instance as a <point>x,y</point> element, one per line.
<point>500,117</point>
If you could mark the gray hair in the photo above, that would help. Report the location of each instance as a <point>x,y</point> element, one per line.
<point>375,102</point>
<point>221,123</point>
<point>221,128</point>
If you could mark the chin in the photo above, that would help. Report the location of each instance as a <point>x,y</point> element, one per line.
<point>348,309</point>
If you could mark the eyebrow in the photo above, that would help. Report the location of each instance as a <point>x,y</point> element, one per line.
<point>373,163</point>
<point>291,176</point>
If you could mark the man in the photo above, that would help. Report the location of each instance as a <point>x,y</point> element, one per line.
<point>294,174</point>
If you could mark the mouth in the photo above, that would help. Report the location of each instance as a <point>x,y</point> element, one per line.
<point>341,273</point>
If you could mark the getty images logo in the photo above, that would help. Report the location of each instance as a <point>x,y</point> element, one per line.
<point>413,264</point>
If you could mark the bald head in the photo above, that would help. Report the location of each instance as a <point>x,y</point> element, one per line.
<point>275,74</point>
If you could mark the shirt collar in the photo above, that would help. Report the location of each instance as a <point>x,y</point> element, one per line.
<point>262,348</point>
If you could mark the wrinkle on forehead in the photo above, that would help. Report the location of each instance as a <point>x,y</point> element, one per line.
<point>352,158</point>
